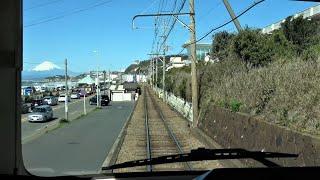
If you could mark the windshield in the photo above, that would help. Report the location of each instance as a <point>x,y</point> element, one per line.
<point>165,77</point>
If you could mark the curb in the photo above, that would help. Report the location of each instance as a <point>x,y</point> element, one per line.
<point>116,147</point>
<point>41,131</point>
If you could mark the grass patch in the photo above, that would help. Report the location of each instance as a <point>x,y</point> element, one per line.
<point>286,92</point>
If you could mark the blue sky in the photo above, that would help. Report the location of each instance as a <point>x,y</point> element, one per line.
<point>102,36</point>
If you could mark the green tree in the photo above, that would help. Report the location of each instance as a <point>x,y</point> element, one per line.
<point>303,33</point>
<point>251,47</point>
<point>221,44</point>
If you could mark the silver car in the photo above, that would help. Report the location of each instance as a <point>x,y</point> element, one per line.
<point>41,113</point>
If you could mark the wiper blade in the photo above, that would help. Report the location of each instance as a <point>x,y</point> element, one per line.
<point>201,154</point>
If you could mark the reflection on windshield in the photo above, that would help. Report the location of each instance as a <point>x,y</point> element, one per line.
<point>39,110</point>
<point>240,87</point>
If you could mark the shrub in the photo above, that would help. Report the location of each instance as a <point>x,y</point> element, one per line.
<point>311,54</point>
<point>28,99</point>
<point>281,47</point>
<point>250,46</point>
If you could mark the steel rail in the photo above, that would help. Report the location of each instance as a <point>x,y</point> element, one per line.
<point>149,167</point>
<point>171,133</point>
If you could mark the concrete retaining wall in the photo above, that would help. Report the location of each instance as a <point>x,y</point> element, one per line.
<point>236,130</point>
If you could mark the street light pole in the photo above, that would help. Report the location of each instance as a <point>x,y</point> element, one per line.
<point>66,95</point>
<point>97,83</point>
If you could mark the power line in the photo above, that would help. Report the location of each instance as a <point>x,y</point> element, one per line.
<point>68,14</point>
<point>148,7</point>
<point>245,11</point>
<point>41,5</point>
<point>224,24</point>
<point>210,10</point>
<point>174,22</point>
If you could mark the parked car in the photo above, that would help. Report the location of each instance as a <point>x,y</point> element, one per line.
<point>104,100</point>
<point>50,100</point>
<point>75,96</point>
<point>63,97</point>
<point>35,103</point>
<point>41,113</point>
<point>83,93</point>
<point>24,108</point>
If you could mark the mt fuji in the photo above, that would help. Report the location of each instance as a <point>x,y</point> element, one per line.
<point>43,70</point>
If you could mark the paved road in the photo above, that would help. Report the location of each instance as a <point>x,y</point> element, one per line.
<point>75,109</point>
<point>80,147</point>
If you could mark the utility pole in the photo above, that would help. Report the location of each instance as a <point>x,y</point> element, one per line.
<point>104,78</point>
<point>164,62</point>
<point>152,72</point>
<point>66,96</point>
<point>156,81</point>
<point>164,73</point>
<point>194,79</point>
<point>232,15</point>
<point>97,90</point>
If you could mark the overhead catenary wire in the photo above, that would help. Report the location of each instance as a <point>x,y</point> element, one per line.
<point>42,5</point>
<point>68,14</point>
<point>215,6</point>
<point>173,24</point>
<point>224,24</point>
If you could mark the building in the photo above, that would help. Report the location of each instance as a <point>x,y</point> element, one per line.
<point>86,81</point>
<point>177,62</point>
<point>201,50</point>
<point>312,12</point>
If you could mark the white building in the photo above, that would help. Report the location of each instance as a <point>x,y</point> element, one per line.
<point>141,78</point>
<point>312,12</point>
<point>177,62</point>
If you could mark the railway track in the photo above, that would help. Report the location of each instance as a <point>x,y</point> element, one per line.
<point>160,138</point>
<point>155,130</point>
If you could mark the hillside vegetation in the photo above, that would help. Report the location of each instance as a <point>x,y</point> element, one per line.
<point>275,76</point>
<point>142,66</point>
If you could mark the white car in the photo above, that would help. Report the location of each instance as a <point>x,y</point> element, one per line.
<point>41,113</point>
<point>50,100</point>
<point>75,96</point>
<point>63,97</point>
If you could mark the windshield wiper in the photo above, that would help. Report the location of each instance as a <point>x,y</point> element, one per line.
<point>201,154</point>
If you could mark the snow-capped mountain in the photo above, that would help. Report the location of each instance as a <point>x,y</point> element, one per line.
<point>43,70</point>
<point>46,66</point>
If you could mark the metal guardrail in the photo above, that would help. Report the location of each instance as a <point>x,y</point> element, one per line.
<point>179,104</point>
